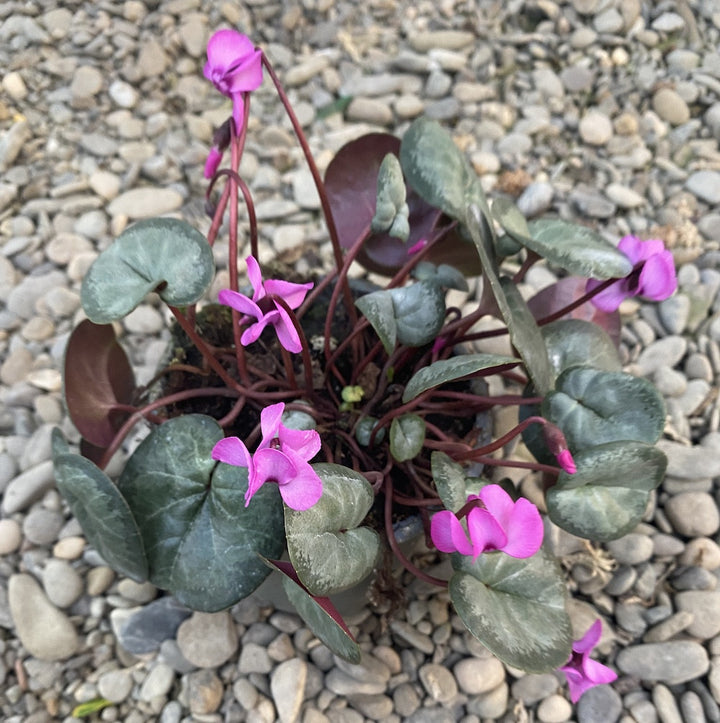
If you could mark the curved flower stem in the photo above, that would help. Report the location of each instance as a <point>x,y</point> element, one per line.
<point>322,193</point>
<point>502,441</point>
<point>203,348</point>
<point>232,415</point>
<point>578,302</point>
<point>146,411</point>
<point>390,534</point>
<point>536,466</point>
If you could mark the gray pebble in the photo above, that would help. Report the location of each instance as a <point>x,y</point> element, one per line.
<point>600,704</point>
<point>672,662</point>
<point>693,514</point>
<point>62,583</point>
<point>666,705</point>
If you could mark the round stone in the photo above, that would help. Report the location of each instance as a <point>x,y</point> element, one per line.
<point>479,675</point>
<point>693,514</point>
<point>670,106</point>
<point>208,639</point>
<point>595,128</point>
<point>63,584</point>
<point>115,685</point>
<point>554,709</point>
<point>45,632</point>
<point>10,536</point>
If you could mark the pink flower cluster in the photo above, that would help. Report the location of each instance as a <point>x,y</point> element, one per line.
<point>494,522</point>
<point>264,309</point>
<point>282,457</point>
<point>581,671</point>
<point>654,279</point>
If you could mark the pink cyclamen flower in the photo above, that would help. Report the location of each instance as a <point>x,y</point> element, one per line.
<point>417,246</point>
<point>566,461</point>
<point>514,528</point>
<point>282,456</point>
<point>234,67</point>
<point>654,280</point>
<point>267,311</point>
<point>581,671</point>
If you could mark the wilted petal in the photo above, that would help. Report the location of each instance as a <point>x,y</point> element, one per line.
<point>448,535</point>
<point>232,450</point>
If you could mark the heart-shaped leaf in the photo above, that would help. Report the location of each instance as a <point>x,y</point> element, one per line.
<point>327,548</point>
<point>436,168</point>
<point>319,614</point>
<point>202,542</point>
<point>608,494</point>
<point>573,342</point>
<point>450,370</point>
<point>351,186</point>
<point>515,608</point>
<point>407,434</point>
<point>103,513</point>
<point>593,406</point>
<point>158,254</point>
<point>97,378</point>
<point>449,478</point>
<point>419,312</point>
<point>377,308</point>
<point>577,249</point>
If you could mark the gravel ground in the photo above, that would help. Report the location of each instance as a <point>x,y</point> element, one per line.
<point>603,111</point>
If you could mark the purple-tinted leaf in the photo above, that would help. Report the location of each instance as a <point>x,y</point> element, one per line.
<point>553,298</point>
<point>98,377</point>
<point>319,613</point>
<point>351,184</point>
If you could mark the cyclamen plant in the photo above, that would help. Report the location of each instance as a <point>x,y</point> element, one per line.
<point>310,416</point>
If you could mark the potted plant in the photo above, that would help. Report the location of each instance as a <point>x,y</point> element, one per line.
<point>305,416</point>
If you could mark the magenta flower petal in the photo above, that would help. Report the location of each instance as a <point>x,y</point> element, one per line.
<point>448,535</point>
<point>305,443</point>
<point>611,298</point>
<point>253,332</point>
<point>590,639</point>
<point>224,48</point>
<point>255,277</point>
<point>292,293</point>
<point>583,672</point>
<point>524,530</point>
<point>240,303</point>
<point>304,489</point>
<point>498,503</point>
<point>287,333</point>
<point>232,450</point>
<point>270,422</point>
<point>657,278</point>
<point>212,163</point>
<point>486,533</point>
<point>246,76</point>
<point>269,465</point>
